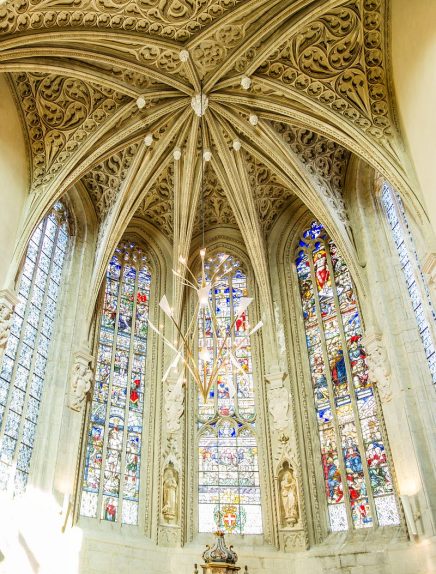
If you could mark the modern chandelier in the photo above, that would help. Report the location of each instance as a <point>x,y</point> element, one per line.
<point>206,365</point>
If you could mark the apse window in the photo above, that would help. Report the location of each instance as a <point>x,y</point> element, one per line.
<point>229,490</point>
<point>357,478</point>
<point>112,475</point>
<point>416,285</point>
<point>23,369</point>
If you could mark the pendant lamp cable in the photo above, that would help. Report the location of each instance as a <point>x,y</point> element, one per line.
<point>202,162</point>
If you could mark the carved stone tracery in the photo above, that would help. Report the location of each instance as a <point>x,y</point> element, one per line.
<point>60,113</point>
<point>104,181</point>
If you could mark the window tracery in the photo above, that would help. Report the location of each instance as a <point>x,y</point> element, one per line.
<point>229,488</point>
<point>111,480</point>
<point>24,362</point>
<point>416,285</point>
<point>357,478</point>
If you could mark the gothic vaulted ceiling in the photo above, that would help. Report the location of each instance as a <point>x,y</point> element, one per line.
<point>317,92</point>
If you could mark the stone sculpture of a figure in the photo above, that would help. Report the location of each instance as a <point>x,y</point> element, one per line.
<point>289,500</point>
<point>170,485</point>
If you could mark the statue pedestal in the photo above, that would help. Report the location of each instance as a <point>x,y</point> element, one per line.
<point>219,568</point>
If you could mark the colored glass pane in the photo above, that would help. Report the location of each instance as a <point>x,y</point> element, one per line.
<point>229,489</point>
<point>113,454</point>
<point>24,362</point>
<point>358,482</point>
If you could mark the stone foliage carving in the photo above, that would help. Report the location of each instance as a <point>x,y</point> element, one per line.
<point>104,181</point>
<point>81,380</point>
<point>217,210</point>
<point>8,300</point>
<point>338,60</point>
<point>174,403</point>
<point>158,204</point>
<point>175,19</point>
<point>278,401</point>
<point>323,159</point>
<point>289,510</point>
<point>379,365</point>
<point>5,324</point>
<point>271,196</point>
<point>60,113</point>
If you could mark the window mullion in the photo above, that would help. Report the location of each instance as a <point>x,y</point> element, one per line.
<point>331,393</point>
<point>22,330</point>
<point>109,396</point>
<point>127,406</point>
<point>34,354</point>
<point>352,390</point>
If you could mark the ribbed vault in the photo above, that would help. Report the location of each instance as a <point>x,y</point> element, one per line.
<point>318,92</point>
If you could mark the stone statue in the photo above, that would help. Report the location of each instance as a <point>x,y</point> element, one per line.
<point>288,496</point>
<point>80,384</point>
<point>170,486</point>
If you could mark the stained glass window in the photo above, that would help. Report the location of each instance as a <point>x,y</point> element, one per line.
<point>229,490</point>
<point>358,482</point>
<point>25,358</point>
<point>416,285</point>
<point>113,453</point>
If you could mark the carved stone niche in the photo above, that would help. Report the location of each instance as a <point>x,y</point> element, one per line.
<point>170,494</point>
<point>81,379</point>
<point>8,300</point>
<point>289,509</point>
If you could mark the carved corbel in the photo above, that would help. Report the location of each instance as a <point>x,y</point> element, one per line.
<point>278,400</point>
<point>81,379</point>
<point>378,364</point>
<point>8,300</point>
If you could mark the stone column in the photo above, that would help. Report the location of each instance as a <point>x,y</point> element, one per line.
<point>170,533</point>
<point>286,466</point>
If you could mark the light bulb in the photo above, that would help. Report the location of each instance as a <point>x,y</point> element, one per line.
<point>184,55</point>
<point>177,153</point>
<point>246,82</point>
<point>148,140</point>
<point>207,155</point>
<point>203,296</point>
<point>202,253</point>
<point>204,354</point>
<point>253,119</point>
<point>236,145</point>
<point>140,102</point>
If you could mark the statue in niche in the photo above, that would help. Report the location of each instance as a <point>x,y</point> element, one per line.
<point>288,496</point>
<point>170,487</point>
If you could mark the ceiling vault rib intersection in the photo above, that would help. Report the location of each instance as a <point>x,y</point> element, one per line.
<point>318,85</point>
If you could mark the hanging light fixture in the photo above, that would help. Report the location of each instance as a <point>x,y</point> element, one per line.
<point>205,367</point>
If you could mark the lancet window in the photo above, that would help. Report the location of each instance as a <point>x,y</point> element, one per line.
<point>23,369</point>
<point>416,285</point>
<point>111,480</point>
<point>229,489</point>
<point>357,478</point>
